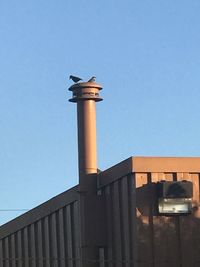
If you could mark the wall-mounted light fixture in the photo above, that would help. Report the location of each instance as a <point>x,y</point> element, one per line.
<point>174,198</point>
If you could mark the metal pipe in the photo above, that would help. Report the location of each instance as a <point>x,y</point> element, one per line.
<point>86,116</point>
<point>86,95</point>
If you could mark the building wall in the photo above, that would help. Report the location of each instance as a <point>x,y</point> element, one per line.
<point>137,236</point>
<point>121,224</point>
<point>51,241</point>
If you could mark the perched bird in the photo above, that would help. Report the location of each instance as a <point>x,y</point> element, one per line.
<point>74,78</point>
<point>92,80</point>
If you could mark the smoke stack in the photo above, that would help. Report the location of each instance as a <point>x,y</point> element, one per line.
<point>86,94</point>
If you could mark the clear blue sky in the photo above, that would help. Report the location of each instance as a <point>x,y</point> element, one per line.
<point>146,54</point>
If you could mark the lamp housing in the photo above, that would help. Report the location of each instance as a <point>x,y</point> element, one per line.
<point>174,197</point>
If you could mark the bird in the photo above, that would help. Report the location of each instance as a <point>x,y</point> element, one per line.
<point>92,80</point>
<point>74,78</point>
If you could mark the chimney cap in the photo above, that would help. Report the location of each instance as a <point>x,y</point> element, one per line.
<point>85,91</point>
<point>85,85</point>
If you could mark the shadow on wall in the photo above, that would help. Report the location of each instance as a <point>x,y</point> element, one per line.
<point>165,240</point>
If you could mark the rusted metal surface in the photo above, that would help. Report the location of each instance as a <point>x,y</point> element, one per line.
<point>137,236</point>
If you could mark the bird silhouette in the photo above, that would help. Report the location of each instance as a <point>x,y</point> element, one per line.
<point>92,80</point>
<point>74,78</point>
